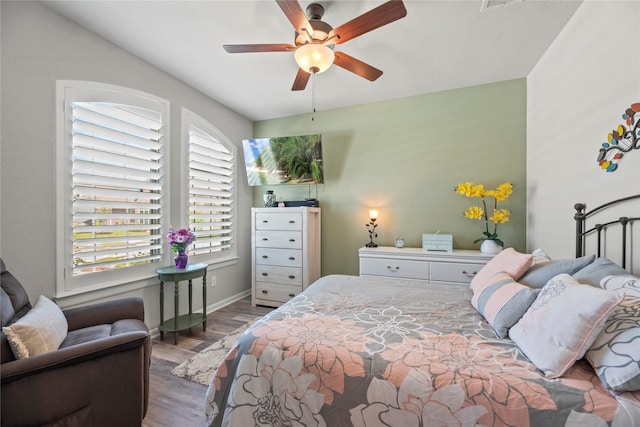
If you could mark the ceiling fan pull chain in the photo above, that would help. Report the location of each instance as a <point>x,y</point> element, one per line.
<point>313,97</point>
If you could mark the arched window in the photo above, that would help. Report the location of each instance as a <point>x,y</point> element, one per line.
<point>211,164</point>
<point>111,198</point>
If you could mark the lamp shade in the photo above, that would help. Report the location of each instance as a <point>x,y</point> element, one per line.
<point>373,214</point>
<point>314,58</point>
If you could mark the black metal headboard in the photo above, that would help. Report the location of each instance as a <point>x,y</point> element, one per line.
<point>600,229</point>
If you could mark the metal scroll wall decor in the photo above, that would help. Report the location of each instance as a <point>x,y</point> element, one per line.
<point>621,140</point>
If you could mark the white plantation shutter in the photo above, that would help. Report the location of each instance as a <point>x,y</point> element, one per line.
<point>211,180</point>
<point>117,170</point>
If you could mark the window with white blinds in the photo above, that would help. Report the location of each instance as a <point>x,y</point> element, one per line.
<point>117,169</point>
<point>211,163</point>
<point>113,165</point>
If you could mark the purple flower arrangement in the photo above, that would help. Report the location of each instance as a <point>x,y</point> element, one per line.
<point>180,239</point>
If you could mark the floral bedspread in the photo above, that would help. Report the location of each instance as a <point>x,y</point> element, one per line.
<point>356,351</point>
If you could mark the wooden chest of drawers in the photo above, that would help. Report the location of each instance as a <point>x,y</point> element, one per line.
<point>285,251</point>
<point>457,267</point>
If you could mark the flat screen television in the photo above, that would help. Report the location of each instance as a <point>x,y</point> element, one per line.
<point>284,160</point>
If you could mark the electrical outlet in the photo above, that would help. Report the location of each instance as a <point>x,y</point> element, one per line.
<point>214,281</point>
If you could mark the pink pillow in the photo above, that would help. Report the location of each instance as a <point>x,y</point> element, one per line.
<point>508,261</point>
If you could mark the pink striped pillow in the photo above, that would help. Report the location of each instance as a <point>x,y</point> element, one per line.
<point>509,261</point>
<point>503,301</point>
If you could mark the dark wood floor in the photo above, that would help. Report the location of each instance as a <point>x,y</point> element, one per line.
<point>176,402</point>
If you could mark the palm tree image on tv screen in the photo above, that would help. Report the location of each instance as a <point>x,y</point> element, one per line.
<point>284,160</point>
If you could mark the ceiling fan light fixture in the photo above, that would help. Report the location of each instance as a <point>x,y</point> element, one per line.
<point>314,58</point>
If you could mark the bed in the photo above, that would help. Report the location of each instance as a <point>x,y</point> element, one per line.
<point>362,351</point>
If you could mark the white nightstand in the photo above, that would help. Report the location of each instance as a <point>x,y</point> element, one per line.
<point>457,267</point>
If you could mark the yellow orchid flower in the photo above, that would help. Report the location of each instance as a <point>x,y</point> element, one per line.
<point>463,188</point>
<point>499,216</point>
<point>503,192</point>
<point>470,189</point>
<point>474,212</point>
<point>476,191</point>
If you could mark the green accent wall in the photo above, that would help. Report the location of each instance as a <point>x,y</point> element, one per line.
<point>404,157</point>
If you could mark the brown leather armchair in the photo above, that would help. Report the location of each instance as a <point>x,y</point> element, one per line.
<point>98,377</point>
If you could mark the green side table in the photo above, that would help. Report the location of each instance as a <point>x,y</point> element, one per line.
<point>185,321</point>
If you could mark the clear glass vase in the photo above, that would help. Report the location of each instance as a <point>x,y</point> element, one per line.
<point>269,199</point>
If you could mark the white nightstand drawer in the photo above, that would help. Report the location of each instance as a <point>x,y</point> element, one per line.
<point>276,274</point>
<point>279,239</point>
<point>278,220</point>
<point>390,267</point>
<point>453,272</point>
<point>275,292</point>
<point>283,257</point>
<point>456,267</point>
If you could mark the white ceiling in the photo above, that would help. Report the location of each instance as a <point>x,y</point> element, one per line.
<point>439,45</point>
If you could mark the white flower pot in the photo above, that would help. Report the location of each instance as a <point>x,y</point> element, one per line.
<point>490,247</point>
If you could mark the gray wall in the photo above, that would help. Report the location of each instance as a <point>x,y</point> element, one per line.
<point>577,94</point>
<point>38,48</point>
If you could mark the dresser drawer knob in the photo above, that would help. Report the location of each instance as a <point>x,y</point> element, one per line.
<point>265,292</point>
<point>265,256</point>
<point>473,273</point>
<point>265,274</point>
<point>291,276</point>
<point>264,239</point>
<point>264,221</point>
<point>292,240</point>
<point>292,258</point>
<point>291,221</point>
<point>393,270</point>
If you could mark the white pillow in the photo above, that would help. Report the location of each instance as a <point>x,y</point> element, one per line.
<point>41,330</point>
<point>562,323</point>
<point>539,256</point>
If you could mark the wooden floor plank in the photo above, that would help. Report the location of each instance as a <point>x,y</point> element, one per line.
<point>174,401</point>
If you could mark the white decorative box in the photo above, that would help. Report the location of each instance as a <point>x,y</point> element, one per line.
<point>437,242</point>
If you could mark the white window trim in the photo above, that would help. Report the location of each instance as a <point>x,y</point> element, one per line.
<point>189,118</point>
<point>126,279</point>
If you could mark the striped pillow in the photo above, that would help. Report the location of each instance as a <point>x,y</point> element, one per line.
<point>509,261</point>
<point>503,301</point>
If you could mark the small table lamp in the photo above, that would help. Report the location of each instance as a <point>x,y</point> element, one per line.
<point>371,228</point>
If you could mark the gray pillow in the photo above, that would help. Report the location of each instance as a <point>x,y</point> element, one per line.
<point>539,274</point>
<point>598,270</point>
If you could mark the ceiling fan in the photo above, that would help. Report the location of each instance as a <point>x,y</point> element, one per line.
<point>315,39</point>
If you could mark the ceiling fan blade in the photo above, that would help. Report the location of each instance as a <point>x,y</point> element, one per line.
<point>296,16</point>
<point>247,48</point>
<point>382,15</point>
<point>301,80</point>
<point>356,66</point>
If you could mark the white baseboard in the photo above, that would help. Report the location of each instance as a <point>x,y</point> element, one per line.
<point>213,307</point>
<point>225,302</point>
